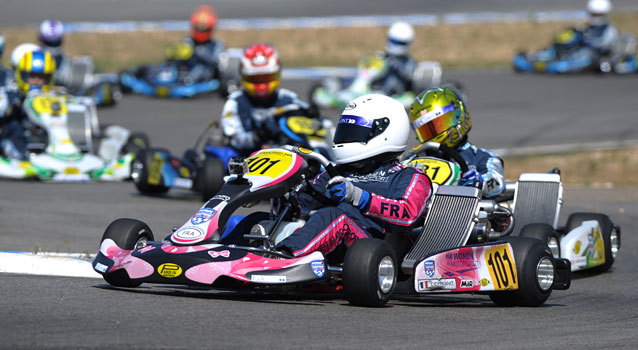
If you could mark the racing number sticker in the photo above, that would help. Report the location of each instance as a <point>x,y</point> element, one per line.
<point>269,163</point>
<point>437,170</point>
<point>52,105</point>
<point>500,263</point>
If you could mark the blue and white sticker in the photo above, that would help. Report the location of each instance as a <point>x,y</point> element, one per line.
<point>203,215</point>
<point>429,268</point>
<point>318,268</point>
<point>355,120</point>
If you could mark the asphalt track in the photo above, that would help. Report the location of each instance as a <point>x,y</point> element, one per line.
<point>32,12</point>
<point>60,312</point>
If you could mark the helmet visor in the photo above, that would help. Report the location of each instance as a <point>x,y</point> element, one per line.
<point>352,128</point>
<point>397,42</point>
<point>261,78</point>
<point>36,79</point>
<point>431,124</point>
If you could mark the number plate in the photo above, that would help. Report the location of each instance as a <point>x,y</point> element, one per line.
<point>439,171</point>
<point>502,268</point>
<point>269,163</point>
<point>53,105</point>
<point>155,170</point>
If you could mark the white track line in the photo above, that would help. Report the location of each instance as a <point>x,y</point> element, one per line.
<point>53,264</point>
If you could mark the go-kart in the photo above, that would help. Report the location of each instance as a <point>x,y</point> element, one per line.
<point>62,143</point>
<point>590,241</point>
<point>569,54</point>
<point>456,250</point>
<point>177,77</point>
<point>77,75</point>
<point>203,167</point>
<point>336,93</point>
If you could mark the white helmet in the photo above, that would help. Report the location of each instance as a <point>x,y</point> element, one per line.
<point>400,37</point>
<point>370,125</point>
<point>599,7</point>
<point>20,51</point>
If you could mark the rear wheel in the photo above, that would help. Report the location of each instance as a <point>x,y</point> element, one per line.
<point>136,142</point>
<point>145,164</point>
<point>369,272</point>
<point>128,234</point>
<point>544,233</point>
<point>210,177</point>
<point>535,273</point>
<point>610,233</point>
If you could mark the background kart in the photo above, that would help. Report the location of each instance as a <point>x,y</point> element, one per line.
<point>336,93</point>
<point>590,241</point>
<point>216,250</point>
<point>572,56</point>
<point>203,167</point>
<point>64,134</point>
<point>77,75</point>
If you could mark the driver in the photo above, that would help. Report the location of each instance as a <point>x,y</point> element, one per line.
<point>246,117</point>
<point>398,76</point>
<point>206,50</point>
<point>600,34</point>
<point>440,115</point>
<point>34,71</point>
<point>375,194</point>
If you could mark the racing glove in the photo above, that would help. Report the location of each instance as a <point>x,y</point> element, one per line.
<point>471,177</point>
<point>341,189</point>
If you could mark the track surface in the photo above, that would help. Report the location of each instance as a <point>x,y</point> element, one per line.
<point>32,12</point>
<point>50,312</point>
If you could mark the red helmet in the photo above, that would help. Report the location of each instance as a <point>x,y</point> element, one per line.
<point>260,71</point>
<point>203,22</point>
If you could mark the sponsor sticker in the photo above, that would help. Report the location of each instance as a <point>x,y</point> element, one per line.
<point>429,268</point>
<point>444,283</point>
<point>188,234</point>
<point>221,197</point>
<point>268,279</point>
<point>351,105</point>
<point>484,282</point>
<point>203,215</point>
<point>318,268</point>
<point>169,270</point>
<point>467,284</point>
<point>101,267</point>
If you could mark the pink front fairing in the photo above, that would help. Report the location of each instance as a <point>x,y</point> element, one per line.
<point>135,267</point>
<point>176,249</point>
<point>207,273</point>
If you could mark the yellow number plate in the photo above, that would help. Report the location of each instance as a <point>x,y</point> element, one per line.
<point>155,170</point>
<point>303,126</point>
<point>269,163</point>
<point>439,171</point>
<point>500,263</point>
<point>52,105</point>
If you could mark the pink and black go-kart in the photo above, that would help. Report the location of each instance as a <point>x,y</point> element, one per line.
<point>456,250</point>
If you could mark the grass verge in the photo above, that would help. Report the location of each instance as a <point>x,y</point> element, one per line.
<point>595,168</point>
<point>469,45</point>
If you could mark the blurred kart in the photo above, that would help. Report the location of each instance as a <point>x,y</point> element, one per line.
<point>63,134</point>
<point>77,75</point>
<point>569,54</point>
<point>203,167</point>
<point>178,77</point>
<point>455,251</point>
<point>336,93</point>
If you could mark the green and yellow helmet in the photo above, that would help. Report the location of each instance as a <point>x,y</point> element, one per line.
<point>440,115</point>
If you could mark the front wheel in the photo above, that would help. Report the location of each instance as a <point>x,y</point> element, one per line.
<point>610,233</point>
<point>535,273</point>
<point>544,233</point>
<point>369,272</point>
<point>128,234</point>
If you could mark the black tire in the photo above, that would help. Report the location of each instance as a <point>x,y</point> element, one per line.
<point>611,235</point>
<point>136,142</point>
<point>528,255</point>
<point>126,233</point>
<point>139,172</point>
<point>210,177</point>
<point>364,261</point>
<point>544,233</point>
